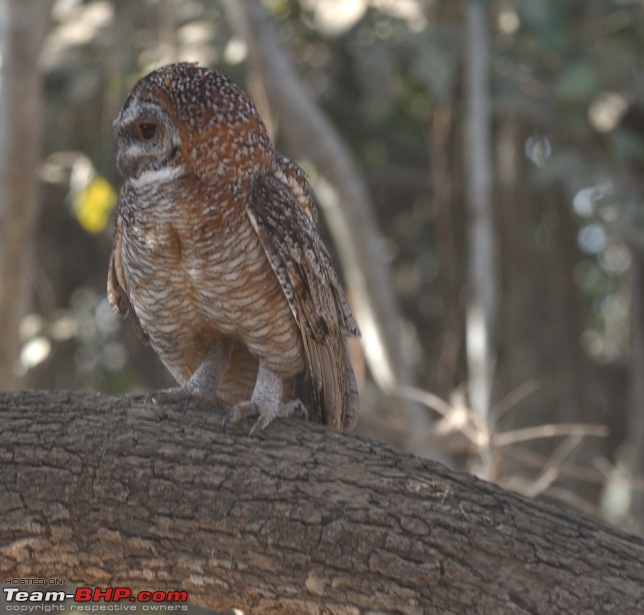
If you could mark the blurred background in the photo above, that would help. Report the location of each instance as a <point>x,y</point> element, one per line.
<point>479,170</point>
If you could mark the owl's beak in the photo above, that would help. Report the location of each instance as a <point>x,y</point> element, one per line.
<point>131,164</point>
<point>127,165</point>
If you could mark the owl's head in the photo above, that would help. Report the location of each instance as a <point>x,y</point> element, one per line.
<point>188,118</point>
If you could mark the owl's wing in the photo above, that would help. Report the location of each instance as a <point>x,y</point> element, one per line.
<point>303,268</point>
<point>117,293</point>
<point>292,175</point>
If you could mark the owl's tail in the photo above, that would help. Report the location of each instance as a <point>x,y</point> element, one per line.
<point>332,382</point>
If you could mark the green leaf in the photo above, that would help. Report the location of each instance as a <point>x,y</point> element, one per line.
<point>577,83</point>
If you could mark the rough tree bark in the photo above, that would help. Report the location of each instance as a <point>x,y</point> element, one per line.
<point>103,491</point>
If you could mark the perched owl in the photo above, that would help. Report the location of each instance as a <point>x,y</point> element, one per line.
<point>217,258</point>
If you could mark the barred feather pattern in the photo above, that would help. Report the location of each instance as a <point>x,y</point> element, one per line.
<point>215,239</point>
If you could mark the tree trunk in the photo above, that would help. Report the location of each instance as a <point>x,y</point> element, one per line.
<point>482,274</point>
<point>22,29</point>
<point>448,247</point>
<point>302,519</point>
<point>636,381</point>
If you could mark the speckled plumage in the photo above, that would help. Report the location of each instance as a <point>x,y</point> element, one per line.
<point>217,258</point>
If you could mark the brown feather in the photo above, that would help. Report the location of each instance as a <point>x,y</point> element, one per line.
<point>117,286</point>
<point>309,283</point>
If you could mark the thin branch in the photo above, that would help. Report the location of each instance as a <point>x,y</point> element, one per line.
<point>515,396</point>
<point>570,499</point>
<point>467,425</point>
<point>552,469</point>
<point>426,398</point>
<point>549,430</point>
<point>567,469</point>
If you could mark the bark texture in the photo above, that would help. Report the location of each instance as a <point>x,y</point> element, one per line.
<point>302,519</point>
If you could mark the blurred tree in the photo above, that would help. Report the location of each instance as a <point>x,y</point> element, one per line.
<point>23,26</point>
<point>636,389</point>
<point>481,312</point>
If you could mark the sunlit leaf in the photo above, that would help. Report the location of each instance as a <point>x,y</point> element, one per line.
<point>93,205</point>
<point>577,83</point>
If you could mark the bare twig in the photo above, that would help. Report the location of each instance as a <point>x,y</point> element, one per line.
<point>515,396</point>
<point>460,417</point>
<point>566,469</point>
<point>550,430</point>
<point>426,398</point>
<point>552,469</point>
<point>569,498</point>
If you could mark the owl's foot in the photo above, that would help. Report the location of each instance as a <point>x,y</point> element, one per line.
<point>201,388</point>
<point>267,414</point>
<point>266,402</point>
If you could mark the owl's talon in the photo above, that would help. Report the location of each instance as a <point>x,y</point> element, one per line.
<point>238,412</point>
<point>297,409</point>
<point>193,400</point>
<point>294,408</point>
<point>261,423</point>
<point>266,414</point>
<point>187,397</point>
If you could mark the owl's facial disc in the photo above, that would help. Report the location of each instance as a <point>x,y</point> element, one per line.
<point>146,139</point>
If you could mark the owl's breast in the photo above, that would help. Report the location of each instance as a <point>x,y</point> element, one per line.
<point>193,269</point>
<point>157,290</point>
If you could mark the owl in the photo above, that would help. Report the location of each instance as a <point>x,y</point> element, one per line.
<point>217,259</point>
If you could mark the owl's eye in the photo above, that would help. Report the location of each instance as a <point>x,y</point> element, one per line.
<point>146,130</point>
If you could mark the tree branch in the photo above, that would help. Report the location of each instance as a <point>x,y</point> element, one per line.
<point>103,490</point>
